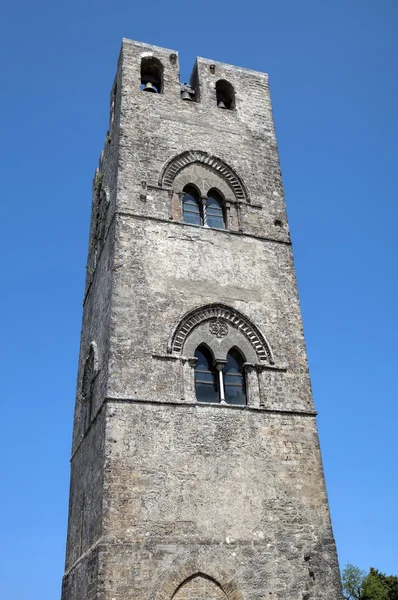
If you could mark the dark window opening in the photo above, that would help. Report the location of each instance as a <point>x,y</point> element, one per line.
<point>225,95</point>
<point>234,379</point>
<point>88,387</point>
<point>151,75</point>
<point>192,210</point>
<point>214,210</point>
<point>206,377</point>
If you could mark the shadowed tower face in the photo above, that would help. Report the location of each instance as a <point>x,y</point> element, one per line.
<point>196,469</point>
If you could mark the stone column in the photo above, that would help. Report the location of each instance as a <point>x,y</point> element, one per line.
<point>227,215</point>
<point>204,212</point>
<point>239,215</point>
<point>219,365</point>
<point>188,379</point>
<point>252,385</point>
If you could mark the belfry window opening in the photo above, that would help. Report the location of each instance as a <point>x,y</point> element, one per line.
<point>207,211</point>
<point>151,75</point>
<point>225,94</point>
<point>220,382</point>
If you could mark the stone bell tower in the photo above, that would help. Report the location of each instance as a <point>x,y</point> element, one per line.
<point>196,468</point>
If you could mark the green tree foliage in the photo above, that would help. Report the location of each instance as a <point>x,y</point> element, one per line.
<point>358,585</point>
<point>352,579</point>
<point>389,583</point>
<point>374,588</point>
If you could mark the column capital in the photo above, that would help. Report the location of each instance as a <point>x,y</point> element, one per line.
<point>219,363</point>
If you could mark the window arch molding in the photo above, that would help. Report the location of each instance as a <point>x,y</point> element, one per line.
<point>170,582</point>
<point>221,327</point>
<point>216,167</point>
<point>204,179</point>
<point>214,589</point>
<point>220,336</point>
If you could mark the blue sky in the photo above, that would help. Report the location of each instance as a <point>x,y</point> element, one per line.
<point>334,84</point>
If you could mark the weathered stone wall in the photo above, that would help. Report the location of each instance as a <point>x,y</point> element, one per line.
<point>87,461</point>
<point>187,498</point>
<point>86,501</point>
<point>157,127</point>
<point>239,489</point>
<point>186,266</point>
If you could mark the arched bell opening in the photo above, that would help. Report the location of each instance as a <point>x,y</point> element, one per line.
<point>225,95</point>
<point>151,75</point>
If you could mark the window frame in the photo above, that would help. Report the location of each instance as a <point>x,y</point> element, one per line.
<point>217,368</point>
<point>207,354</point>
<point>191,191</point>
<point>215,195</point>
<point>202,202</point>
<point>241,374</point>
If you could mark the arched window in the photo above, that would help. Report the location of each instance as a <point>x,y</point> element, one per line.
<point>88,385</point>
<point>213,385</point>
<point>214,210</point>
<point>152,75</point>
<point>199,586</point>
<point>192,212</point>
<point>206,376</point>
<point>234,379</point>
<point>225,95</point>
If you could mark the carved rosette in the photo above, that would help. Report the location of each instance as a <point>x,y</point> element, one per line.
<point>218,328</point>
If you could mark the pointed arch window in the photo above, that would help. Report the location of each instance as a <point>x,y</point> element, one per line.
<point>206,211</point>
<point>87,389</point>
<point>214,210</point>
<point>206,376</point>
<point>234,379</point>
<point>192,212</point>
<point>199,586</point>
<point>223,382</point>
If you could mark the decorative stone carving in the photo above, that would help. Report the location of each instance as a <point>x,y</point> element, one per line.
<point>177,163</point>
<point>214,312</point>
<point>218,328</point>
